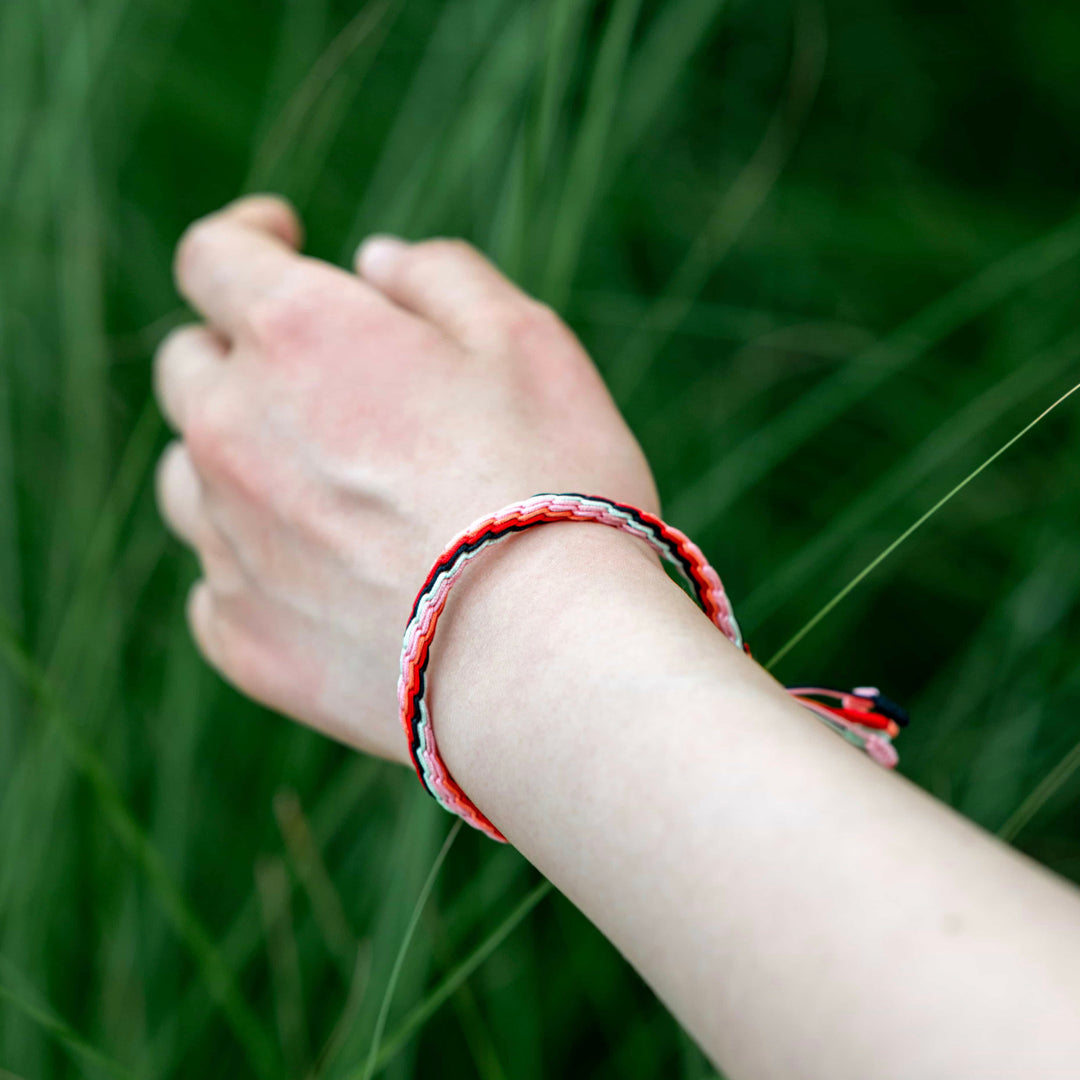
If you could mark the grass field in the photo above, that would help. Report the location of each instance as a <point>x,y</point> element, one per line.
<point>827,254</point>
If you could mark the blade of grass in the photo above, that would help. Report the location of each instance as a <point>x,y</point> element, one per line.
<point>675,34</point>
<point>411,149</point>
<point>558,27</point>
<point>915,526</point>
<point>590,147</point>
<point>82,1052</point>
<point>11,600</point>
<point>79,72</point>
<point>722,322</point>
<point>423,1012</point>
<point>701,502</point>
<point>40,801</point>
<point>176,731</point>
<point>399,960</point>
<point>475,148</point>
<point>721,395</point>
<point>474,1027</point>
<point>393,862</point>
<point>477,1036</point>
<point>561,27</point>
<point>315,878</point>
<point>215,973</point>
<point>336,1039</point>
<point>372,22</point>
<point>306,161</point>
<point>935,451</point>
<point>300,41</point>
<point>130,480</point>
<point>509,222</point>
<point>272,886</point>
<point>1058,776</point>
<point>19,46</point>
<point>736,208</point>
<point>83,389</point>
<point>242,940</point>
<point>652,73</point>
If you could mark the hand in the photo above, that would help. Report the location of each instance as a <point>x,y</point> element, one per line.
<point>337,430</point>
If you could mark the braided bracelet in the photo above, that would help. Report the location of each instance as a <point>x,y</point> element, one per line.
<point>863,717</point>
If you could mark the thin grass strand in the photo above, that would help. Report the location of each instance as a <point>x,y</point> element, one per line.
<point>702,502</point>
<point>81,1050</point>
<point>218,979</point>
<point>1054,780</point>
<point>875,563</point>
<point>403,948</point>
<point>426,1009</point>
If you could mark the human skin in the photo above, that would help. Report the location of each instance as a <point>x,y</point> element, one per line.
<point>803,912</point>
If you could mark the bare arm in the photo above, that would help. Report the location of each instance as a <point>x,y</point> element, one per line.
<point>803,912</point>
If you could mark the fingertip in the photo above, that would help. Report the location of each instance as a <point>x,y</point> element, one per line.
<point>182,361</point>
<point>377,255</point>
<point>167,465</point>
<point>268,213</point>
<point>445,281</point>
<point>235,256</point>
<point>176,473</point>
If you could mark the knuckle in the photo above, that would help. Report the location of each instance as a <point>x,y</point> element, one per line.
<point>236,657</point>
<point>541,318</point>
<point>225,451</point>
<point>247,662</point>
<point>272,321</point>
<point>225,641</point>
<point>446,247</point>
<point>528,324</point>
<point>288,319</point>
<point>430,261</point>
<point>215,553</point>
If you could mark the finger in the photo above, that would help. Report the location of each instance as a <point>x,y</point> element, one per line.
<point>187,363</point>
<point>447,282</point>
<point>182,503</point>
<point>180,496</point>
<point>234,637</point>
<point>270,214</point>
<point>229,260</point>
<point>202,622</point>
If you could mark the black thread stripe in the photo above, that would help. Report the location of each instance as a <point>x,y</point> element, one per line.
<point>448,562</point>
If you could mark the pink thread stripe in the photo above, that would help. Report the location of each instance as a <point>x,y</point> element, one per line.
<point>668,542</point>
<point>876,744</point>
<point>671,544</point>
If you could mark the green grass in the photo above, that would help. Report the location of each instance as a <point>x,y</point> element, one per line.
<point>826,254</point>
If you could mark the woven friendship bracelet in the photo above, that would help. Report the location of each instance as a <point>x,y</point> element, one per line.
<point>863,716</point>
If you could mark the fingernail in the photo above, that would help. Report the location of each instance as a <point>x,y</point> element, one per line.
<point>377,253</point>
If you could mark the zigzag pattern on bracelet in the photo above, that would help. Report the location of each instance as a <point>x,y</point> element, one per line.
<point>863,716</point>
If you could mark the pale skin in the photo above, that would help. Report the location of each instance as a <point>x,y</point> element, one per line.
<point>803,912</point>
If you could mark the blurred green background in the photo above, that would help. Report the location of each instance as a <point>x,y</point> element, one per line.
<point>827,254</point>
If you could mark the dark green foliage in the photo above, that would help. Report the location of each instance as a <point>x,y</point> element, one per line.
<point>827,256</point>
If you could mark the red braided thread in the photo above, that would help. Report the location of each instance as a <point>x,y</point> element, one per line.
<point>668,542</point>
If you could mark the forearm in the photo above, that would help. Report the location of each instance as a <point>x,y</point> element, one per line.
<point>804,913</point>
<point>788,899</point>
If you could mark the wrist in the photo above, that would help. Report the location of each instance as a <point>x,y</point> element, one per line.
<point>536,628</point>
